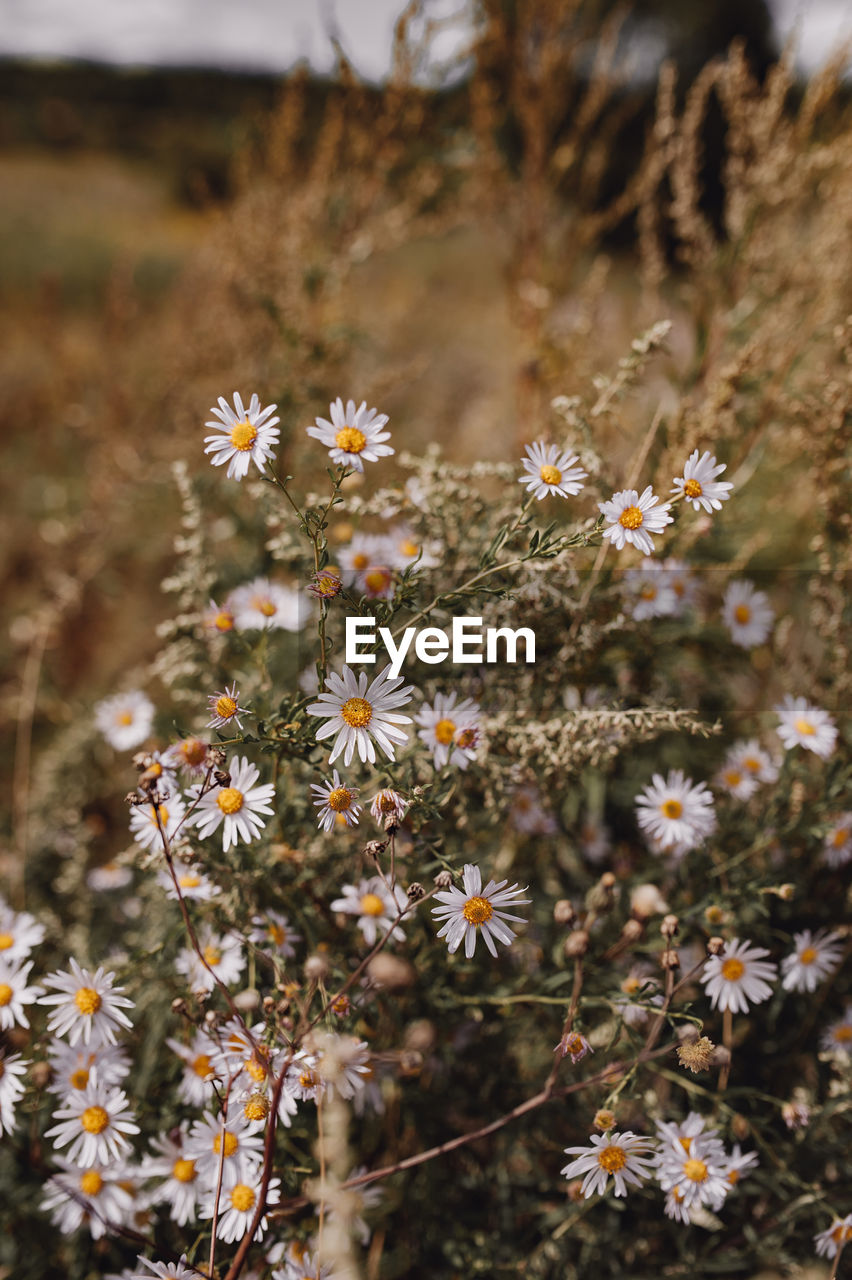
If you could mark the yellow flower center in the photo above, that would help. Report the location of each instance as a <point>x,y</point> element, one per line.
<point>843,1034</point>
<point>265,606</point>
<point>350,440</point>
<point>277,933</point>
<point>477,910</point>
<point>243,436</point>
<point>573,1042</point>
<point>631,518</point>
<point>6,994</point>
<point>695,1170</point>
<point>551,475</point>
<point>357,712</point>
<point>466,738</point>
<point>840,837</point>
<point>212,955</point>
<point>225,707</point>
<point>808,955</point>
<point>328,586</point>
<point>230,1144</point>
<point>752,764</point>
<point>224,620</point>
<point>6,941</point>
<point>445,731</point>
<point>339,799</point>
<point>91,1183</point>
<point>692,489</point>
<point>371,905</point>
<point>360,561</point>
<point>742,613</point>
<point>124,718</point>
<point>257,1107</point>
<point>230,800</point>
<point>308,1079</point>
<point>686,1143</point>
<point>733,778</point>
<point>201,1065</point>
<point>409,548</point>
<point>734,1177</point>
<point>94,1119</point>
<point>377,579</point>
<point>387,802</point>
<point>671,808</point>
<point>648,592</point>
<point>612,1158</point>
<point>804,727</point>
<point>79,1079</point>
<point>630,985</point>
<point>190,881</point>
<point>87,1001</point>
<point>257,1068</point>
<point>242,1197</point>
<point>183,1170</point>
<point>733,969</point>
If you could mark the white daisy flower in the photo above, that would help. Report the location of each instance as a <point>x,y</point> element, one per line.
<point>698,484</point>
<point>199,1072</point>
<point>699,1173</point>
<point>675,811</point>
<point>242,436</point>
<point>95,1121</point>
<point>301,1264</point>
<point>188,755</point>
<point>474,908</point>
<point>550,469</point>
<point>450,729</point>
<point>404,549</point>
<point>193,884</point>
<point>237,806</point>
<point>649,592</point>
<point>272,931</point>
<point>681,581</point>
<point>12,1088</point>
<point>334,800</point>
<point>388,806</point>
<point>19,933</point>
<point>747,614</point>
<point>88,1006</point>
<point>754,760</point>
<point>218,617</point>
<point>180,1186</point>
<point>816,956</point>
<point>625,1157</point>
<point>344,1065</point>
<point>837,846</point>
<point>243,1058</point>
<point>357,713</point>
<point>109,876</point>
<point>73,1069</point>
<point>375,906</point>
<point>529,814</point>
<point>145,827</point>
<point>738,1163</point>
<point>261,605</point>
<point>357,1202</point>
<point>801,724</point>
<point>354,436</point>
<point>237,1205</point>
<point>303,1077</point>
<point>837,1037</point>
<point>739,977</point>
<point>167,1270</point>
<point>234,1146</point>
<point>93,1197</point>
<point>735,778</point>
<point>225,707</point>
<point>831,1241</point>
<point>677,1135</point>
<point>366,550</point>
<point>125,720</point>
<point>15,994</point>
<point>634,518</point>
<point>222,952</point>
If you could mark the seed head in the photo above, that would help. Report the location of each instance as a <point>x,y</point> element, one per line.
<point>576,944</point>
<point>443,880</point>
<point>696,1055</point>
<point>715,946</point>
<point>415,891</point>
<point>563,911</point>
<point>669,926</point>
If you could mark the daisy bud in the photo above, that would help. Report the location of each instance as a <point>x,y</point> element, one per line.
<point>374,849</point>
<point>341,1006</point>
<point>410,1063</point>
<point>669,926</point>
<point>443,880</point>
<point>420,1035</point>
<point>600,896</point>
<point>40,1074</point>
<point>179,1005</point>
<point>576,944</point>
<point>786,892</point>
<point>721,1056</point>
<point>211,1017</point>
<point>563,911</point>
<point>714,914</point>
<point>669,959</point>
<point>415,892</point>
<point>316,967</point>
<point>715,946</point>
<point>248,999</point>
<point>268,1004</point>
<point>604,1120</point>
<point>390,971</point>
<point>740,1127</point>
<point>632,930</point>
<point>646,900</point>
